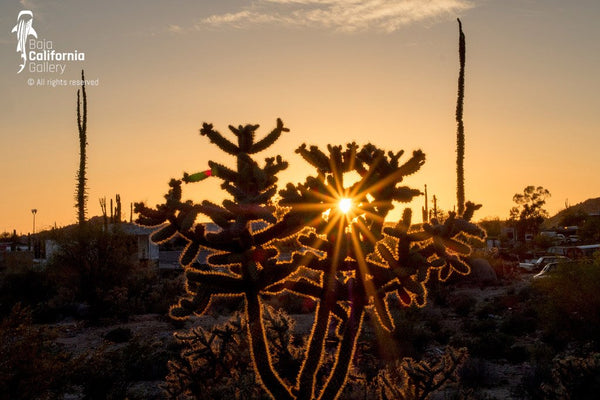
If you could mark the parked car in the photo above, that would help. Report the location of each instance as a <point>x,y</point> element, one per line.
<point>573,238</point>
<point>541,262</point>
<point>551,268</point>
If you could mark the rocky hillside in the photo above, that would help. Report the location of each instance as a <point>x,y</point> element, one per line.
<point>590,206</point>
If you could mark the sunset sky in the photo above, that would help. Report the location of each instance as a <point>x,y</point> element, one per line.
<point>334,70</point>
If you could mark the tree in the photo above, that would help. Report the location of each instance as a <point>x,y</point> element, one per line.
<point>81,195</point>
<point>492,226</point>
<point>590,231</point>
<point>95,266</point>
<point>352,264</point>
<point>529,213</point>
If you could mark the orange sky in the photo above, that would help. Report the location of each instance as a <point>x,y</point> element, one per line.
<point>334,71</point>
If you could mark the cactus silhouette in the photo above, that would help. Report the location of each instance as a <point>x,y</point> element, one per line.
<point>81,195</point>
<point>409,379</point>
<point>351,263</point>
<point>460,127</point>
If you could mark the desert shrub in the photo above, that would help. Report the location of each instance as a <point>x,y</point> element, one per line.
<point>508,301</point>
<point>483,339</point>
<point>574,378</point>
<point>517,354</point>
<point>490,345</point>
<point>405,378</point>
<point>490,309</point>
<point>99,268</point>
<point>29,288</point>
<point>411,336</point>
<point>554,376</point>
<point>480,327</point>
<point>31,366</point>
<point>417,380</point>
<point>118,335</point>
<point>506,270</point>
<point>420,332</point>
<point>525,293</point>
<point>475,373</point>
<point>568,304</point>
<point>433,324</point>
<point>541,353</point>
<point>107,372</point>
<point>149,292</point>
<point>372,354</point>
<point>530,386</point>
<point>463,305</point>
<point>93,266</point>
<point>519,323</point>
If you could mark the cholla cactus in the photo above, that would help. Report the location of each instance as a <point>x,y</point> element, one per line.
<point>574,377</point>
<point>215,363</point>
<point>352,263</point>
<point>417,380</point>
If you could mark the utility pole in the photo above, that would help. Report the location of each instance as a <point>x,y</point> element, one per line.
<point>34,211</point>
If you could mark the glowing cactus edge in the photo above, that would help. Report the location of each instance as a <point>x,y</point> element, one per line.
<point>349,263</point>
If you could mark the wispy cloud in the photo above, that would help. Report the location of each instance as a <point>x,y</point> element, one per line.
<point>339,15</point>
<point>175,29</point>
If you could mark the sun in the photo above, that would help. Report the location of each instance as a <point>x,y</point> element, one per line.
<point>345,205</point>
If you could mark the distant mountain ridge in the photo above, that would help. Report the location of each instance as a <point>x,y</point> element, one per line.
<point>589,206</point>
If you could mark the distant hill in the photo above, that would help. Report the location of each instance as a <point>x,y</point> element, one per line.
<point>590,206</point>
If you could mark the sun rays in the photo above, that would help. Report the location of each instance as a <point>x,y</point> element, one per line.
<point>342,256</point>
<point>345,205</point>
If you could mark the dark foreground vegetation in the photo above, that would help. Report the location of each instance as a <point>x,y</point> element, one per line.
<point>517,338</point>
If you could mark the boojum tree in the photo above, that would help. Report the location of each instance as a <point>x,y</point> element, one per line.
<point>348,261</point>
<point>460,127</point>
<point>81,193</point>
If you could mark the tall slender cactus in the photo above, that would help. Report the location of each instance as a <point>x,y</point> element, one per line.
<point>103,208</point>
<point>81,195</point>
<point>118,211</point>
<point>425,208</point>
<point>460,132</point>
